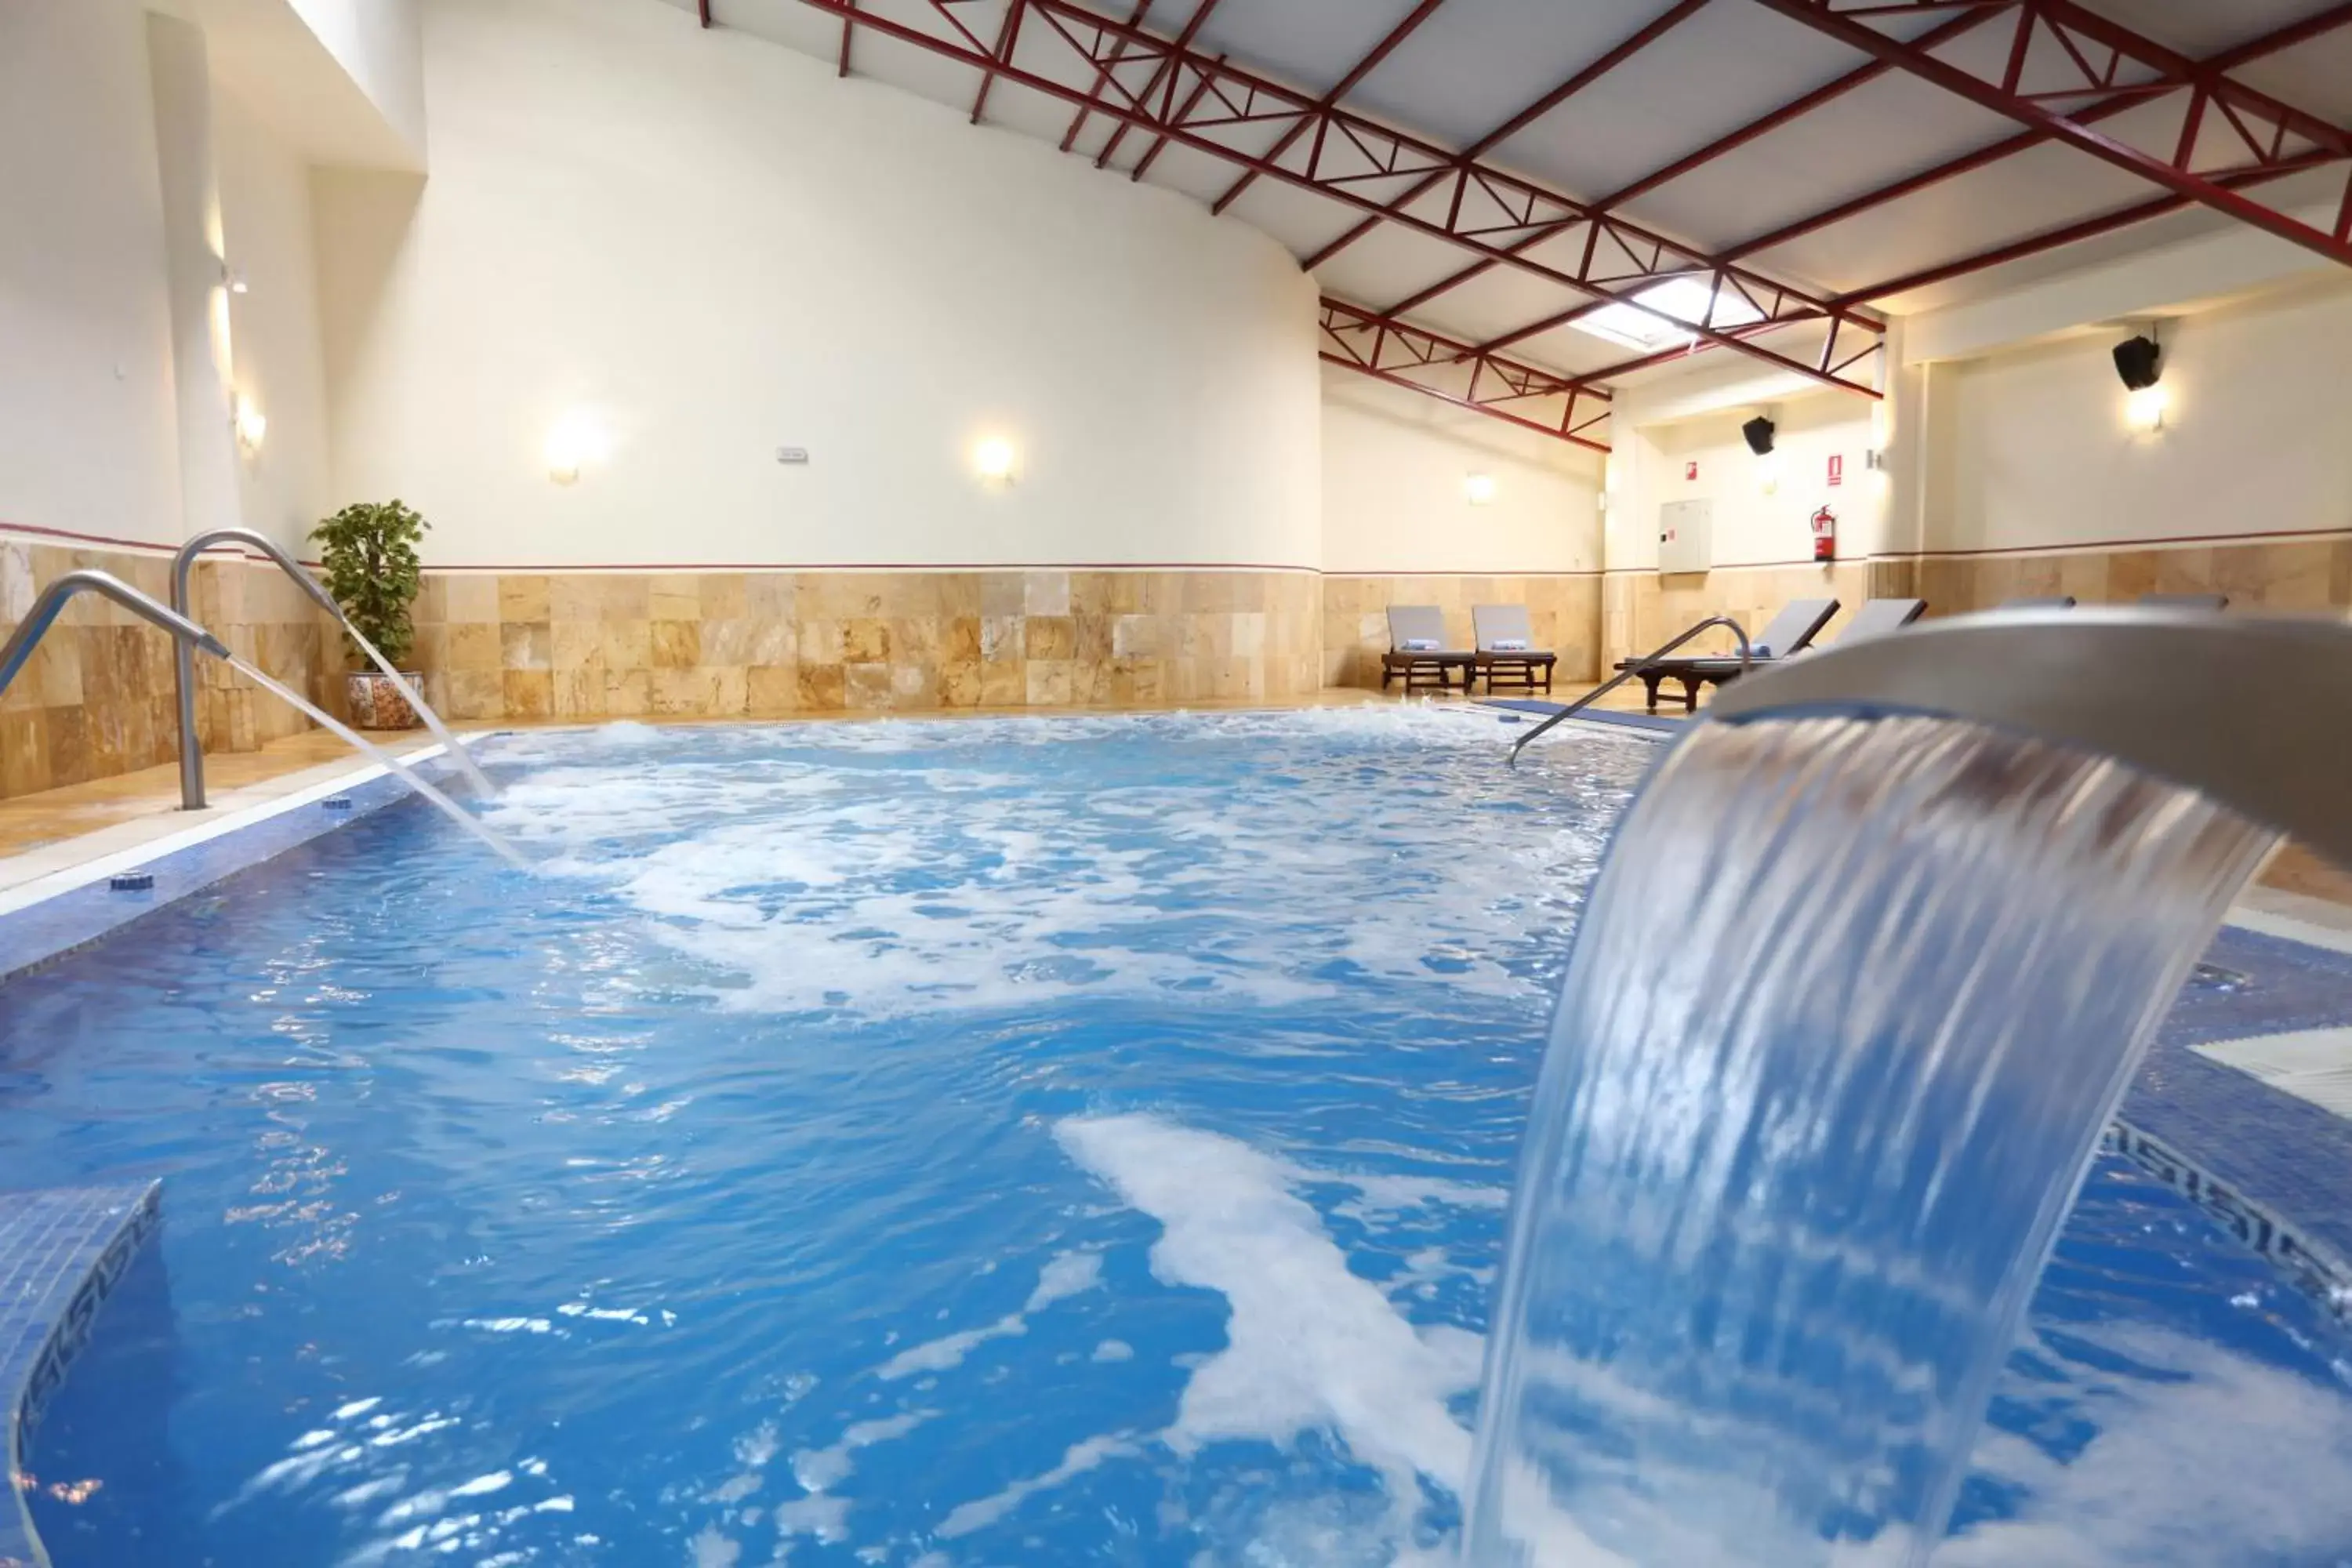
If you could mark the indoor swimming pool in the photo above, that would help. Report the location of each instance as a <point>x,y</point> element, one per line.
<point>985,1141</point>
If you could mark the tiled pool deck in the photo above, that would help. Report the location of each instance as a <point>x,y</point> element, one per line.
<point>61,1254</point>
<point>2225,1109</point>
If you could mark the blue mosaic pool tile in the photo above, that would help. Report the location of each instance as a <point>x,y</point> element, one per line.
<point>2240,1134</point>
<point>38,933</point>
<point>62,1252</point>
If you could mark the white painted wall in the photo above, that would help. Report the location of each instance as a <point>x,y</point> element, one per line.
<point>265,189</point>
<point>1652,466</point>
<point>380,43</point>
<point>87,412</point>
<point>2029,449</point>
<point>1393,498</point>
<point>195,249</point>
<point>714,247</point>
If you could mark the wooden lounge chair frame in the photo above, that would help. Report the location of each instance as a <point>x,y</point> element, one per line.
<point>1423,670</point>
<point>1798,623</point>
<point>1509,669</point>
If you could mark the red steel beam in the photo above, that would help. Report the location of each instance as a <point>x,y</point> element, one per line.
<point>1006,40</point>
<point>1102,75</point>
<point>2089,228</point>
<point>1658,27</point>
<point>2110,57</point>
<point>2318,24</point>
<point>1174,58</point>
<point>1490,205</point>
<point>1388,350</point>
<point>1362,68</point>
<point>1718,148</point>
<point>2007,147</point>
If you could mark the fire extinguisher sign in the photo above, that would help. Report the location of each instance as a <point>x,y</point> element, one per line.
<point>1837,469</point>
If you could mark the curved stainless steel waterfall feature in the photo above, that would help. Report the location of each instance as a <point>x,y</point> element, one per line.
<point>46,609</point>
<point>2240,707</point>
<point>184,670</point>
<point>1747,662</point>
<point>1875,954</point>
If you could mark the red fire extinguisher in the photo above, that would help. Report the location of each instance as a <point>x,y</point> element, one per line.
<point>1825,535</point>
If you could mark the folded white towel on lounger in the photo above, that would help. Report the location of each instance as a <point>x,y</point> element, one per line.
<point>1418,645</point>
<point>1507,645</point>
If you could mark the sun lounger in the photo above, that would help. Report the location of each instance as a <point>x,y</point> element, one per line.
<point>1417,651</point>
<point>1794,628</point>
<point>2042,602</point>
<point>1508,656</point>
<point>2186,601</point>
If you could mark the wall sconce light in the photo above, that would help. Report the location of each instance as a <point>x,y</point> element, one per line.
<point>2139,361</point>
<point>2144,409</point>
<point>993,459</point>
<point>1478,489</point>
<point>576,441</point>
<point>251,424</point>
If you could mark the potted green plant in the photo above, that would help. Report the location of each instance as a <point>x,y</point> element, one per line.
<point>373,570</point>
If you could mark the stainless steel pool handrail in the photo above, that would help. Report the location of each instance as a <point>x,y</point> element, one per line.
<point>19,651</point>
<point>2242,709</point>
<point>184,670</point>
<point>1746,662</point>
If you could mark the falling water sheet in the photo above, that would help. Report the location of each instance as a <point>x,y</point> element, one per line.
<point>1852,1001</point>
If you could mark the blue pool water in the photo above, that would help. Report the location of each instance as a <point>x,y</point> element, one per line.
<point>1006,1142</point>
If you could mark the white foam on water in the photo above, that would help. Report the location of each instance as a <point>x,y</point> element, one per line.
<point>1080,1457</point>
<point>822,1470</point>
<point>948,1350</point>
<point>819,880</point>
<point>1310,1346</point>
<point>711,1549</point>
<point>2213,1459</point>
<point>1066,1274</point>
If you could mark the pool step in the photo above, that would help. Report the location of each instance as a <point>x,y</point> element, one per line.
<point>62,1252</point>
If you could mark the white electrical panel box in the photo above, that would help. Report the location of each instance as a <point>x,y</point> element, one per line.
<point>1686,535</point>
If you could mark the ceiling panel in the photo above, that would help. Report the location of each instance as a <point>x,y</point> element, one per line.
<point>1302,220</point>
<point>2200,27</point>
<point>2315,76</point>
<point>2043,188</point>
<point>1388,264</point>
<point>1714,74</point>
<point>1476,63</point>
<point>1495,303</point>
<point>1887,129</point>
<point>1309,47</point>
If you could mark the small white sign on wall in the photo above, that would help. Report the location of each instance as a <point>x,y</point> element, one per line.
<point>1686,535</point>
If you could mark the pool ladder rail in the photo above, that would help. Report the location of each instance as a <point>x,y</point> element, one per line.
<point>1746,662</point>
<point>186,635</point>
<point>183,661</point>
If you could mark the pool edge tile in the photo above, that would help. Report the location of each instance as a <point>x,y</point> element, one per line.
<point>62,1252</point>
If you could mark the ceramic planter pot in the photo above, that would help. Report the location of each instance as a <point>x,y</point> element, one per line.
<point>376,703</point>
